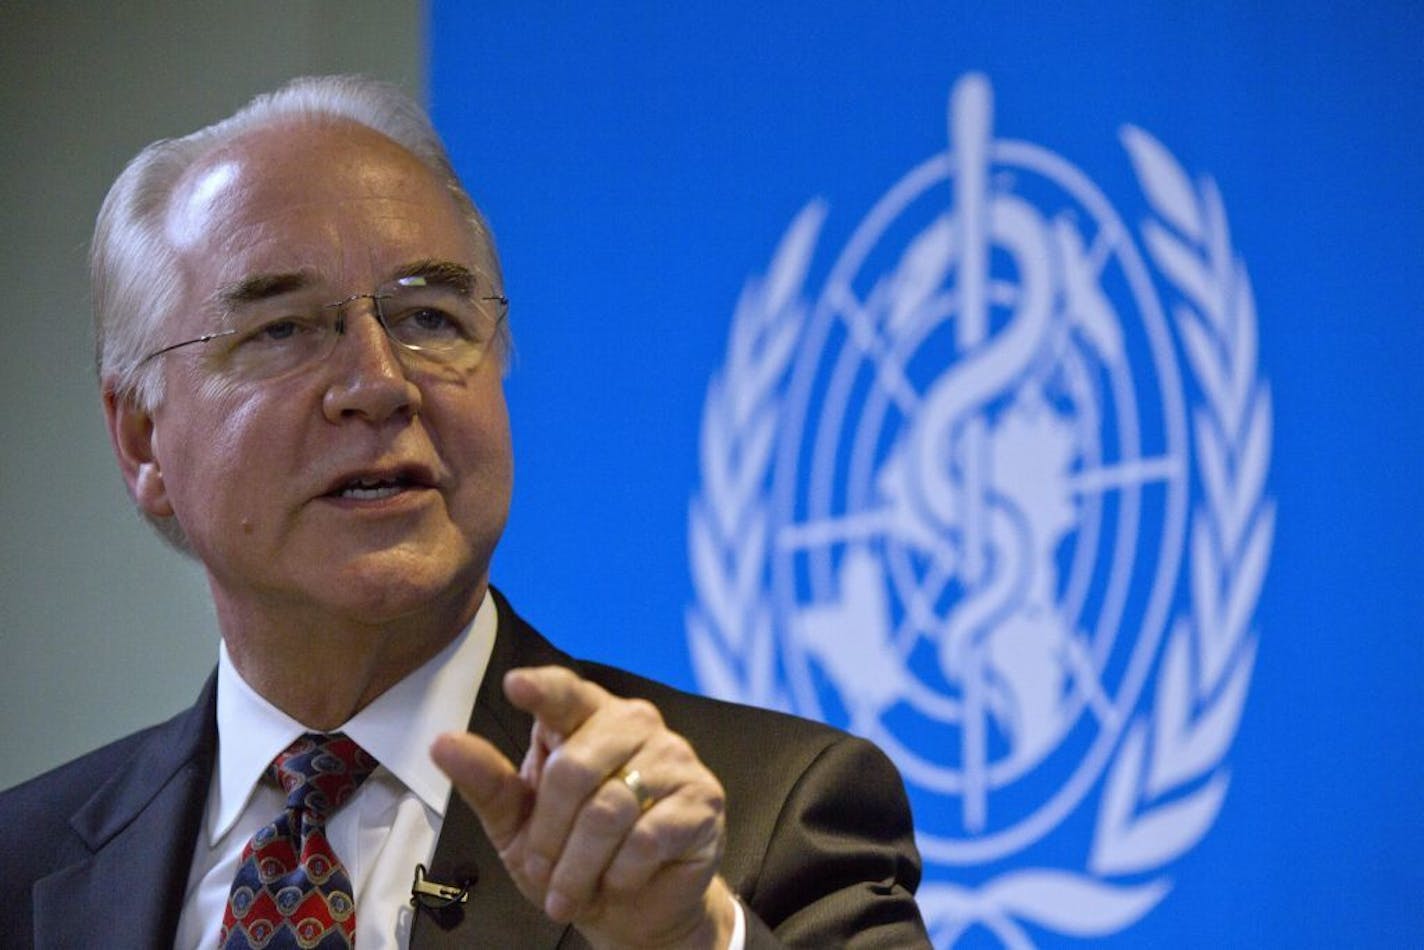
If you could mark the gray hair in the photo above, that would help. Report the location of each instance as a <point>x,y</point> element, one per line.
<point>133,270</point>
<point>134,273</point>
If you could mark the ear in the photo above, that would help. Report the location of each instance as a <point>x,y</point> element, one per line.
<point>131,430</point>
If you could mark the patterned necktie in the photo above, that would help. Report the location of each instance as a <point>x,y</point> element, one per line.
<point>291,889</point>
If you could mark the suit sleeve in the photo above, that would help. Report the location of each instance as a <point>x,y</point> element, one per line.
<point>841,867</point>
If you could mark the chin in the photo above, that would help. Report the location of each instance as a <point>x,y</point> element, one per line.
<point>393,585</point>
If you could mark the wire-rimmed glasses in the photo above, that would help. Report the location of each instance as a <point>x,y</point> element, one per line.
<point>430,320</point>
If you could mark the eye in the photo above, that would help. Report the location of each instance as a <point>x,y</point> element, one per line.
<point>427,326</point>
<point>430,320</point>
<point>278,330</point>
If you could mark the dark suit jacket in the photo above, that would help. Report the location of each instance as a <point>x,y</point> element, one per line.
<point>819,845</point>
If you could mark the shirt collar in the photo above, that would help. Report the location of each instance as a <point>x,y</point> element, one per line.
<point>397,727</point>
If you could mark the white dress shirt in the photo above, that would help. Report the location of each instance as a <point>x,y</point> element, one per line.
<point>385,829</point>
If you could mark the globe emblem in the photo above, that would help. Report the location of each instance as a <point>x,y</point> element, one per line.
<point>951,501</point>
<point>978,489</point>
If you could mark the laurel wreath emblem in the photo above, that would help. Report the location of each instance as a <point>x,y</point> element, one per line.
<point>1168,779</point>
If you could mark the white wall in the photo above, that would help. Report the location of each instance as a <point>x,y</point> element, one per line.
<point>102,628</point>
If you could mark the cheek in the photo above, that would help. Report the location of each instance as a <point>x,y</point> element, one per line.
<point>489,455</point>
<point>479,447</point>
<point>216,454</point>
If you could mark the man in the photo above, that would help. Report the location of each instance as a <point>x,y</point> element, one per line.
<point>300,333</point>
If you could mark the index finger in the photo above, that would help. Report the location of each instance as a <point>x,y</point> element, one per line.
<point>559,698</point>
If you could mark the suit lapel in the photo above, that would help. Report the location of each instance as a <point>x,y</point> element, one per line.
<point>139,827</point>
<point>496,915</point>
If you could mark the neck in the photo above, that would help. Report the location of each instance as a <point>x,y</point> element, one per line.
<point>322,668</point>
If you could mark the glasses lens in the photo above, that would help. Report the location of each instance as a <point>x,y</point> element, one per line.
<point>429,320</point>
<point>439,322</point>
<point>280,340</point>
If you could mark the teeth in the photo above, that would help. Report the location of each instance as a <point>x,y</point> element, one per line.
<point>369,490</point>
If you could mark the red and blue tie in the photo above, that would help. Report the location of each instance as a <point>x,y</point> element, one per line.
<point>291,890</point>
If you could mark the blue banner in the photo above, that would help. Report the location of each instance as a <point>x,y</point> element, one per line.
<point>1030,390</point>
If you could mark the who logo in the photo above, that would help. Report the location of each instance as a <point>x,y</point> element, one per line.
<point>994,496</point>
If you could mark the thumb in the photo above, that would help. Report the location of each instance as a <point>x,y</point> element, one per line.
<point>488,783</point>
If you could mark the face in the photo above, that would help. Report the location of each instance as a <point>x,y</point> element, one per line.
<point>360,487</point>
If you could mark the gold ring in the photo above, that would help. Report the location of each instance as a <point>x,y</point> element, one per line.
<point>633,779</point>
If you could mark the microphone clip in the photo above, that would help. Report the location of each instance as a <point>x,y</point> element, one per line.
<point>434,895</point>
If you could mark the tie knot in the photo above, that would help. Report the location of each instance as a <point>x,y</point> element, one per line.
<point>320,771</point>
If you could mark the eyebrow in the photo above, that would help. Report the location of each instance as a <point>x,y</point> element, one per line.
<point>261,287</point>
<point>448,274</point>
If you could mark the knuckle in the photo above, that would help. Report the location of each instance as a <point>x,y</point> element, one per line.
<point>702,827</point>
<point>606,813</point>
<point>623,879</point>
<point>674,750</point>
<point>714,798</point>
<point>701,823</point>
<point>645,844</point>
<point>568,768</point>
<point>642,713</point>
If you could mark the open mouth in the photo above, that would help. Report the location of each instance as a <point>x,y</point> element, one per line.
<point>371,489</point>
<point>375,487</point>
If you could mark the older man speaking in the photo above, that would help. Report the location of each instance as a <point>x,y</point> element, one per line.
<point>301,337</point>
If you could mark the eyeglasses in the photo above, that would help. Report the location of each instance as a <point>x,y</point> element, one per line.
<point>429,321</point>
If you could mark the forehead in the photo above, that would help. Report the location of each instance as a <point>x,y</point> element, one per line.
<point>334,200</point>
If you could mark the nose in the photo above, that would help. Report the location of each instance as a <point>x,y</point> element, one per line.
<point>368,380</point>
